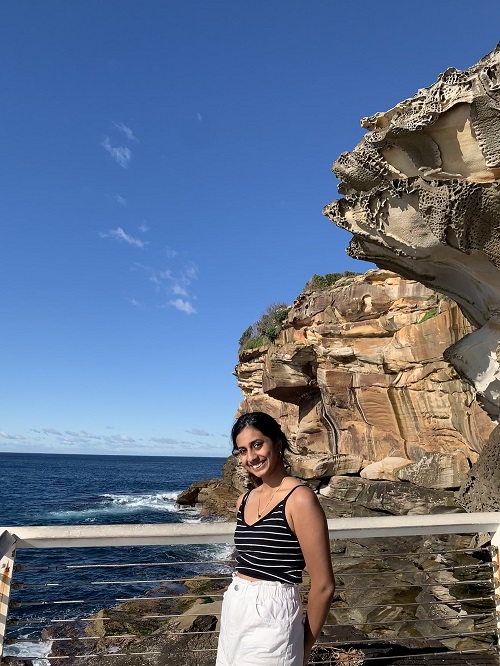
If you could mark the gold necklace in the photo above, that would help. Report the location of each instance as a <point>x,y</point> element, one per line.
<point>259,513</point>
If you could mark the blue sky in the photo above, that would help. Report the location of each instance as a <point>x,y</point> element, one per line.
<point>163,166</point>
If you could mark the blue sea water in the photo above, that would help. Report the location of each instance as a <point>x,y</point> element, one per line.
<point>54,489</point>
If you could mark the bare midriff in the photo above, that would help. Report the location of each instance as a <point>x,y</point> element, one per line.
<point>240,575</point>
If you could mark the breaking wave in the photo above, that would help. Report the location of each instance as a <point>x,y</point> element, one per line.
<point>115,505</point>
<point>26,650</point>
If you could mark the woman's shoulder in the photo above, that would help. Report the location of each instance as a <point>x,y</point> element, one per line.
<point>240,499</point>
<point>300,494</point>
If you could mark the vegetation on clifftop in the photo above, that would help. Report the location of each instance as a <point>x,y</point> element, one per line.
<point>266,329</point>
<point>320,282</point>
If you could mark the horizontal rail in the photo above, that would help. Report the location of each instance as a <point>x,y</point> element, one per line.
<point>369,617</point>
<point>85,536</point>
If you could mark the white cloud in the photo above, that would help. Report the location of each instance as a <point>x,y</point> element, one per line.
<point>170,253</point>
<point>126,130</point>
<point>51,431</point>
<point>82,434</point>
<point>179,290</point>
<point>143,228</point>
<point>183,306</point>
<point>165,440</point>
<point>6,435</point>
<point>120,235</point>
<point>176,286</point>
<point>191,273</point>
<point>198,432</point>
<point>200,117</point>
<point>133,302</point>
<point>169,441</point>
<point>121,200</point>
<point>119,439</point>
<point>121,154</point>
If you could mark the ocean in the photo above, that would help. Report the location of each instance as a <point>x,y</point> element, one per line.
<point>55,489</point>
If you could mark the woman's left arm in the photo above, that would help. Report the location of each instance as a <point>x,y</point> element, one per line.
<point>309,524</point>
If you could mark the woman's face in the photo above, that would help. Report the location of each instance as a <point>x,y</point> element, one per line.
<point>258,454</point>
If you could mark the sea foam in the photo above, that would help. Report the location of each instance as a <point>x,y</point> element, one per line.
<point>129,503</point>
<point>26,650</point>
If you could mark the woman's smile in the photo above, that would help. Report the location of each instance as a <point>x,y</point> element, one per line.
<point>257,465</point>
<point>258,453</point>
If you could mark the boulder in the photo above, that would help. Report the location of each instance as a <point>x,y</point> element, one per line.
<point>395,498</point>
<point>437,470</point>
<point>385,469</point>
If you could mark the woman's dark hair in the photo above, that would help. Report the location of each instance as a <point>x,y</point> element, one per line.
<point>263,422</point>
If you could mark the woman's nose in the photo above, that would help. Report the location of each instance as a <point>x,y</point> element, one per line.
<point>253,455</point>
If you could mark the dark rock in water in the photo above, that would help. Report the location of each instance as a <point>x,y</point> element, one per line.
<point>190,496</point>
<point>214,496</point>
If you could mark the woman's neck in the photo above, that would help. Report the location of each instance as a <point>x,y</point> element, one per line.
<point>274,479</point>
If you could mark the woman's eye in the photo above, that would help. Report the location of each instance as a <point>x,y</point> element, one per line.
<point>242,452</point>
<point>256,445</point>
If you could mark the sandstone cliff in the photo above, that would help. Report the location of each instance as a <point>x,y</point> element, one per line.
<point>421,195</point>
<point>358,380</point>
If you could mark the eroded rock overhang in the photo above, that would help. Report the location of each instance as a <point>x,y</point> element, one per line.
<point>421,196</point>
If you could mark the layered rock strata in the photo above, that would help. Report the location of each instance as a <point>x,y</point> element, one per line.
<point>421,195</point>
<point>358,380</point>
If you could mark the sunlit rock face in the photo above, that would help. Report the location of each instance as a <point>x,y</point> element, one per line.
<point>357,376</point>
<point>421,196</point>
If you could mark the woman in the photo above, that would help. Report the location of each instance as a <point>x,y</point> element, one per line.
<point>280,528</point>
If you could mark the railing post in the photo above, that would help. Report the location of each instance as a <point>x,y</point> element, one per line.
<point>7,557</point>
<point>495,542</point>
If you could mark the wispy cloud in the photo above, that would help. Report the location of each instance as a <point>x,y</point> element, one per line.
<point>16,438</point>
<point>143,228</point>
<point>182,305</point>
<point>167,441</point>
<point>198,432</point>
<point>119,235</point>
<point>84,441</point>
<point>170,252</point>
<point>179,290</point>
<point>121,154</point>
<point>126,130</point>
<point>200,117</point>
<point>119,439</point>
<point>134,302</point>
<point>174,284</point>
<point>191,273</point>
<point>121,200</point>
<point>82,434</point>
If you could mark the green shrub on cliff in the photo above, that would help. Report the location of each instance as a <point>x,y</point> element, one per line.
<point>428,315</point>
<point>319,282</point>
<point>266,329</point>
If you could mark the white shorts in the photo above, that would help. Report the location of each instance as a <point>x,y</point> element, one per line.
<point>261,625</point>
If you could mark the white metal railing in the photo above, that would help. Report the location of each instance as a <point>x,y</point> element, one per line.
<point>14,539</point>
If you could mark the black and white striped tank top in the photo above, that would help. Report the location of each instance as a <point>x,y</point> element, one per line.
<point>268,549</point>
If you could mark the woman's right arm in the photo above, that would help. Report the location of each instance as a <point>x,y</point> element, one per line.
<point>311,528</point>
